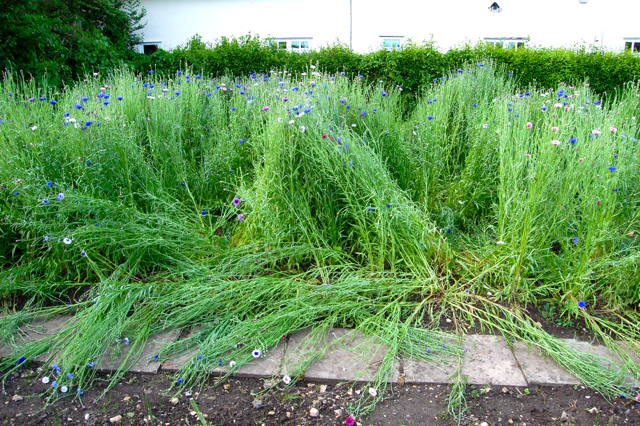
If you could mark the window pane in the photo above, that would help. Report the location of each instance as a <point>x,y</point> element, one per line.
<point>282,44</point>
<point>499,43</point>
<point>395,42</point>
<point>627,45</point>
<point>512,44</point>
<point>295,44</point>
<point>150,48</point>
<point>490,42</point>
<point>386,42</point>
<point>520,44</point>
<point>636,47</point>
<point>304,44</point>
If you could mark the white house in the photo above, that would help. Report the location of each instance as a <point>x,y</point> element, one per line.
<point>373,24</point>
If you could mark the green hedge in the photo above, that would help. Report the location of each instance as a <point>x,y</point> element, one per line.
<point>412,67</point>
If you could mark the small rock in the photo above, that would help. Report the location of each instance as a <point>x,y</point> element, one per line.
<point>127,399</point>
<point>192,413</point>
<point>174,401</point>
<point>257,404</point>
<point>310,385</point>
<point>288,415</point>
<point>484,424</point>
<point>505,390</point>
<point>16,398</point>
<point>271,413</point>
<point>593,410</point>
<point>338,413</point>
<point>564,417</point>
<point>323,388</point>
<point>87,416</point>
<point>314,412</point>
<point>116,419</point>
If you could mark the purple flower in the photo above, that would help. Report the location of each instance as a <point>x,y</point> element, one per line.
<point>45,239</point>
<point>266,108</point>
<point>45,201</point>
<point>240,217</point>
<point>236,201</point>
<point>83,253</point>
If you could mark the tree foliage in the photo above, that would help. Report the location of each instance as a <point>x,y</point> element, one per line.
<point>62,39</point>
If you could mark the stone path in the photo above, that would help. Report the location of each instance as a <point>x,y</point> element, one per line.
<point>487,359</point>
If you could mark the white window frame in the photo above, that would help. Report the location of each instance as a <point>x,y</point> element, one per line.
<point>391,39</point>
<point>292,44</point>
<point>635,44</point>
<point>507,42</point>
<point>150,43</point>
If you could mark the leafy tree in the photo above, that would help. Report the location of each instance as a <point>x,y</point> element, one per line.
<point>65,38</point>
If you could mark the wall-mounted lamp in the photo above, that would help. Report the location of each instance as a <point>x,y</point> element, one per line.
<point>495,7</point>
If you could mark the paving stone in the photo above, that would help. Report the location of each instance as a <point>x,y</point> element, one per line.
<point>145,364</point>
<point>40,329</point>
<point>269,364</point>
<point>606,357</point>
<point>541,369</point>
<point>488,360</point>
<point>351,356</point>
<point>423,372</point>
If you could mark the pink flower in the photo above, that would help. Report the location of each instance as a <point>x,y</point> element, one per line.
<point>285,99</point>
<point>265,108</point>
<point>567,108</point>
<point>595,132</point>
<point>580,160</point>
<point>613,129</point>
<point>529,125</point>
<point>528,155</point>
<point>554,129</point>
<point>95,73</point>
<point>349,421</point>
<point>557,105</point>
<point>556,142</point>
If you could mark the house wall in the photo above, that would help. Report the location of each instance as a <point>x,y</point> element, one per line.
<point>549,23</point>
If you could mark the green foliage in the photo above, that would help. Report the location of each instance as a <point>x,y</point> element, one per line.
<point>413,67</point>
<point>64,39</point>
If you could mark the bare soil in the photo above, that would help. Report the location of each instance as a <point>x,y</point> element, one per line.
<point>142,400</point>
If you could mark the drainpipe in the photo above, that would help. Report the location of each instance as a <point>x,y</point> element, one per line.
<point>351,24</point>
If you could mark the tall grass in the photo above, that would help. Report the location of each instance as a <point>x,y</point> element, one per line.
<point>216,203</point>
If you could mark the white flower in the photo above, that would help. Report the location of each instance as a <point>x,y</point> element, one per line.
<point>304,73</point>
<point>64,389</point>
<point>256,353</point>
<point>249,101</point>
<point>45,380</point>
<point>486,126</point>
<point>500,242</point>
<point>66,240</point>
<point>232,364</point>
<point>303,129</point>
<point>292,121</point>
<point>353,125</point>
<point>34,127</point>
<point>107,119</point>
<point>279,119</point>
<point>373,392</point>
<point>313,67</point>
<point>286,380</point>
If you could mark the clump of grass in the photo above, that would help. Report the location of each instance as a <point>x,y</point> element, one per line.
<point>214,204</point>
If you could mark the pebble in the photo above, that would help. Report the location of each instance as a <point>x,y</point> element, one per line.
<point>484,424</point>
<point>116,419</point>
<point>174,401</point>
<point>314,412</point>
<point>257,403</point>
<point>87,416</point>
<point>16,398</point>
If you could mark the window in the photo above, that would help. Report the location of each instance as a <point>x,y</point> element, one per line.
<point>632,45</point>
<point>391,42</point>
<point>149,47</point>
<point>297,44</point>
<point>506,42</point>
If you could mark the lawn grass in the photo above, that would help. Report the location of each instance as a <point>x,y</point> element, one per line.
<point>214,202</point>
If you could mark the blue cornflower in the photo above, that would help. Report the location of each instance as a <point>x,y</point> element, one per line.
<point>203,212</point>
<point>388,205</point>
<point>573,140</point>
<point>15,194</point>
<point>510,109</point>
<point>69,376</point>
<point>150,71</point>
<point>45,239</point>
<point>183,185</point>
<point>429,118</point>
<point>220,363</point>
<point>544,108</point>
<point>384,94</point>
<point>178,72</point>
<point>84,99</point>
<point>54,384</point>
<point>88,163</point>
<point>363,113</point>
<point>517,115</point>
<point>241,141</point>
<point>575,240</point>
<point>612,168</point>
<point>233,108</point>
<point>52,102</point>
<point>66,114</point>
<point>88,123</point>
<point>21,360</point>
<point>105,103</point>
<point>60,196</point>
<point>120,98</point>
<point>177,93</point>
<point>582,304</point>
<point>77,106</point>
<point>180,381</point>
<point>91,365</point>
<point>475,105</point>
<point>208,94</point>
<point>45,201</point>
<point>80,392</point>
<point>199,357</point>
